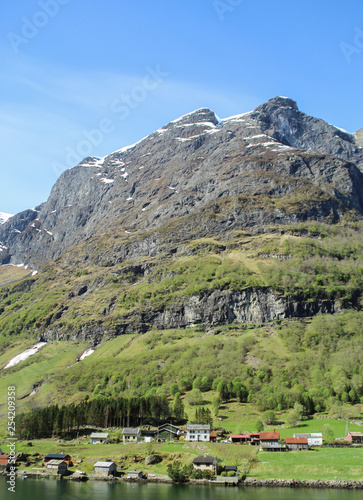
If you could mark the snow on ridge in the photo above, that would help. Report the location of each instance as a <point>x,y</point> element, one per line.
<point>341,129</point>
<point>204,124</point>
<point>241,116</point>
<point>94,161</point>
<point>128,148</point>
<point>107,181</point>
<point>189,114</point>
<point>4,217</point>
<point>24,355</point>
<point>161,131</point>
<point>259,136</point>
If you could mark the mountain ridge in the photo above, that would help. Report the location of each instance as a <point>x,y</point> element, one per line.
<point>274,151</point>
<point>206,233</point>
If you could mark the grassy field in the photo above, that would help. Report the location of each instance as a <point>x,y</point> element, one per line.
<point>324,463</point>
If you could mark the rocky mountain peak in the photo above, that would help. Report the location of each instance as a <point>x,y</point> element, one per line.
<point>359,137</point>
<point>201,115</point>
<point>277,102</point>
<point>249,167</point>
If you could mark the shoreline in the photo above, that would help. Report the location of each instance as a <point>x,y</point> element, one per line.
<point>248,482</point>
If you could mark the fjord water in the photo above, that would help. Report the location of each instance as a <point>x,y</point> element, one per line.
<point>49,489</point>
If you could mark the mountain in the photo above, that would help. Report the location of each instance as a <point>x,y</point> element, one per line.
<point>273,165</point>
<point>4,217</point>
<point>226,248</point>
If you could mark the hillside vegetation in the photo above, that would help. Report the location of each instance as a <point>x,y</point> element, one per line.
<point>308,262</point>
<point>78,302</point>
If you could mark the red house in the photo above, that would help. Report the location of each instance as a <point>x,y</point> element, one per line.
<point>299,443</point>
<point>255,438</point>
<point>213,437</point>
<point>354,437</point>
<point>269,438</point>
<point>4,461</point>
<point>239,438</point>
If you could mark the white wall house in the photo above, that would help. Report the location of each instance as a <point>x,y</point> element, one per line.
<point>314,438</point>
<point>196,432</point>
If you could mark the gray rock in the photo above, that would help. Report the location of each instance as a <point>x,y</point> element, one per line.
<point>219,175</point>
<point>152,459</point>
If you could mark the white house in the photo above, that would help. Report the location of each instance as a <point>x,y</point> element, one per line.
<point>131,434</point>
<point>198,432</point>
<point>100,438</point>
<point>314,438</point>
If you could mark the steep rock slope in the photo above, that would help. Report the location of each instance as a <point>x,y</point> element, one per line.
<point>272,165</point>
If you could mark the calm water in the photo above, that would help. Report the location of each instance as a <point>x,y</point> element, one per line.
<point>48,489</point>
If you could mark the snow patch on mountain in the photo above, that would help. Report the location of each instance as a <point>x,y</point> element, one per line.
<point>25,355</point>
<point>4,217</point>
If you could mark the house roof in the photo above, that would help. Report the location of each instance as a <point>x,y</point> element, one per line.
<point>296,440</point>
<point>56,462</point>
<point>131,431</point>
<point>100,435</point>
<point>148,433</point>
<point>4,459</point>
<point>56,456</point>
<point>355,434</point>
<point>169,425</point>
<point>198,427</point>
<point>269,435</point>
<point>213,434</point>
<point>309,434</point>
<point>201,460</point>
<point>134,472</point>
<point>106,465</point>
<point>230,467</point>
<point>236,436</point>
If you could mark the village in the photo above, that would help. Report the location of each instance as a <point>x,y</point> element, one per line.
<point>201,467</point>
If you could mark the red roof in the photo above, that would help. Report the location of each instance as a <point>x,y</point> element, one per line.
<point>239,436</point>
<point>4,459</point>
<point>296,440</point>
<point>213,434</point>
<point>265,436</point>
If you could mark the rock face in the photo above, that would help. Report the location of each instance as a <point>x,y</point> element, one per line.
<point>255,305</point>
<point>359,137</point>
<point>272,165</point>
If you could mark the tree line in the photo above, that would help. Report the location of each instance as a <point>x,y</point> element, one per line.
<point>54,420</point>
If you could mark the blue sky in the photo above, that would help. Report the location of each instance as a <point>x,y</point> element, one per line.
<point>85,76</point>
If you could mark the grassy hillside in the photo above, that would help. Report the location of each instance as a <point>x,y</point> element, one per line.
<point>10,274</point>
<point>277,365</point>
<point>316,362</point>
<point>308,262</point>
